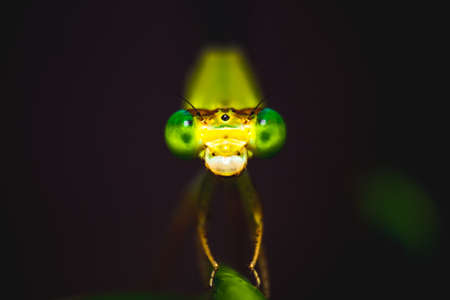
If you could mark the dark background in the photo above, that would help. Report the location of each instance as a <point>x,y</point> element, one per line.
<point>91,185</point>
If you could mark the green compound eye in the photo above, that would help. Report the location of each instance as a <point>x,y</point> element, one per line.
<point>180,135</point>
<point>270,133</point>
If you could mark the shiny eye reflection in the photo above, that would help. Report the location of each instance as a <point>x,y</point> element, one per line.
<point>270,133</point>
<point>180,135</point>
<point>225,117</point>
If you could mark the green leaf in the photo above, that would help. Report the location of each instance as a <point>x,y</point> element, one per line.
<point>229,284</point>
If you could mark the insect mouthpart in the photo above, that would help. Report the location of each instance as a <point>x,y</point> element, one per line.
<point>226,165</point>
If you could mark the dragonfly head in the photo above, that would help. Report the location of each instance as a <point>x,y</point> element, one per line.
<point>226,135</point>
<point>225,138</point>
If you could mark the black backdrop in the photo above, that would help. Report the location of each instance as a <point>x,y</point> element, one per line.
<point>91,185</point>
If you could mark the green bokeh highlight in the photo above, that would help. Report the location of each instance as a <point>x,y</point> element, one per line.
<point>270,133</point>
<point>400,207</point>
<point>180,135</point>
<point>228,284</point>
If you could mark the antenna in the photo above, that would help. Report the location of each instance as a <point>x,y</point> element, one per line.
<point>254,109</point>
<point>196,110</point>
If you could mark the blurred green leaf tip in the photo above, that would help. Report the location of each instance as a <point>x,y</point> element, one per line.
<point>229,284</point>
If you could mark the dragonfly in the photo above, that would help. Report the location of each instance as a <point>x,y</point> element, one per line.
<point>224,122</point>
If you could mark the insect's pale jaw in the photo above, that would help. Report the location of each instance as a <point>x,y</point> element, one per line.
<point>226,165</point>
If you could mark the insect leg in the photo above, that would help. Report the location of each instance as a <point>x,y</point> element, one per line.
<point>264,268</point>
<point>203,206</point>
<point>253,209</point>
<point>203,263</point>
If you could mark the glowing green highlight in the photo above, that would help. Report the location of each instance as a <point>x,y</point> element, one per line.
<point>400,207</point>
<point>270,133</point>
<point>180,135</point>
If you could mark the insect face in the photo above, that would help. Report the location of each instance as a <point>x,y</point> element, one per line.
<point>225,138</point>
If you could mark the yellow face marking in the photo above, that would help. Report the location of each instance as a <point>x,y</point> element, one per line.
<point>225,135</point>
